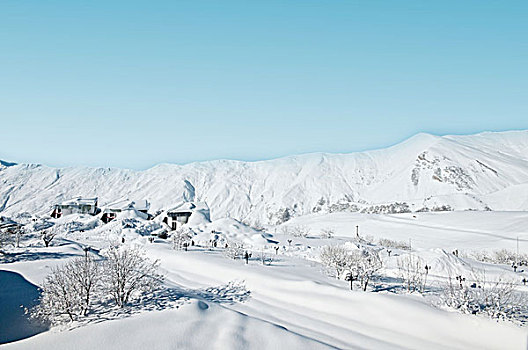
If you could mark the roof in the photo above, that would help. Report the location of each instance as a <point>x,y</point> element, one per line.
<point>141,204</point>
<point>7,222</point>
<point>132,213</point>
<point>124,204</point>
<point>186,207</point>
<point>81,201</point>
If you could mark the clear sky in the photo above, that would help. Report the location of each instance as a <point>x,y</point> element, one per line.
<point>135,83</point>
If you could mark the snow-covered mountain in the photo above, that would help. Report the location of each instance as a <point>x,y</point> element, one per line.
<point>487,171</point>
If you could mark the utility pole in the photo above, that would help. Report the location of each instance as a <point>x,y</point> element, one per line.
<point>517,255</point>
<point>357,231</point>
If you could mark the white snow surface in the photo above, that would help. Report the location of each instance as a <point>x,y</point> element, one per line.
<point>483,171</point>
<point>293,304</point>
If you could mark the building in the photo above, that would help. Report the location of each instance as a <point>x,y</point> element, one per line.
<point>77,205</point>
<point>185,212</point>
<point>8,225</point>
<point>111,211</point>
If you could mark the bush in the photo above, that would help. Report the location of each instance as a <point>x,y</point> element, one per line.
<point>389,243</point>
<point>496,299</point>
<point>501,256</point>
<point>327,233</point>
<point>299,231</point>
<point>367,239</point>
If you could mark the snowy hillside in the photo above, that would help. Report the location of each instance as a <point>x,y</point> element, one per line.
<point>487,171</point>
<point>289,303</point>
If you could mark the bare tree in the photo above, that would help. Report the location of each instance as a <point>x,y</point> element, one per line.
<point>128,273</point>
<point>47,237</point>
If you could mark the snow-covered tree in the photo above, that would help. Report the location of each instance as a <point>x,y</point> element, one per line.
<point>5,239</point>
<point>358,264</point>
<point>267,259</point>
<point>389,243</point>
<point>234,250</point>
<point>336,258</point>
<point>257,225</point>
<point>367,239</point>
<point>58,299</point>
<point>364,263</point>
<point>68,291</point>
<point>47,237</point>
<point>327,233</point>
<point>495,298</point>
<point>86,277</point>
<point>182,238</point>
<point>299,231</point>
<point>19,231</point>
<point>412,270</point>
<point>128,274</point>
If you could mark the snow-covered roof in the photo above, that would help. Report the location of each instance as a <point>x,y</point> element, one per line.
<point>184,207</point>
<point>132,213</point>
<point>142,205</point>
<point>7,222</point>
<point>81,201</point>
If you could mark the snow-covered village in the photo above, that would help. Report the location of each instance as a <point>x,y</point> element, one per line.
<point>225,251</point>
<point>263,175</point>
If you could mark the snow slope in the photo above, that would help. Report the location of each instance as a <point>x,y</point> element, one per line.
<point>292,306</point>
<point>292,303</point>
<point>447,230</point>
<point>199,325</point>
<point>481,172</point>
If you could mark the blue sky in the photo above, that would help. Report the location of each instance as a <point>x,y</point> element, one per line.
<point>135,83</point>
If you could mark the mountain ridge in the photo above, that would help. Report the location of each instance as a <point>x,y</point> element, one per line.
<point>425,172</point>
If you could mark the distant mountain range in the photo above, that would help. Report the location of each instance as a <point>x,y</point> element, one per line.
<point>487,171</point>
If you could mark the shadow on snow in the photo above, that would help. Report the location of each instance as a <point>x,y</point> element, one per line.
<point>17,294</point>
<point>168,298</point>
